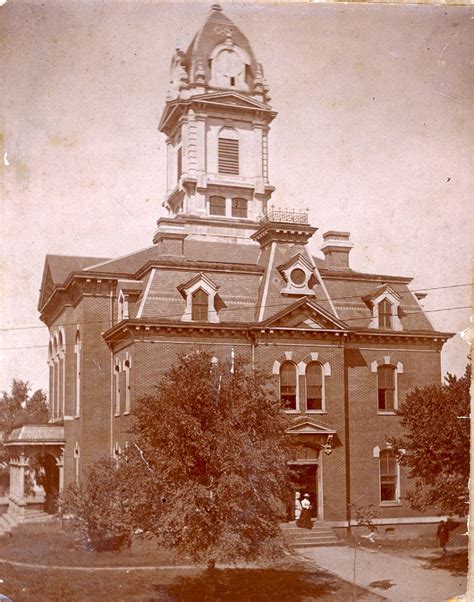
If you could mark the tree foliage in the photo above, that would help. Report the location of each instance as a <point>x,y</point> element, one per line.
<point>17,408</point>
<point>211,458</point>
<point>435,445</point>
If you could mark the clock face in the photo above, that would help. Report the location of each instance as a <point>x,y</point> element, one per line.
<point>229,64</point>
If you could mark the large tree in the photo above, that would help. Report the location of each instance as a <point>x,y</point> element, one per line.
<point>435,445</point>
<point>17,408</point>
<point>211,457</point>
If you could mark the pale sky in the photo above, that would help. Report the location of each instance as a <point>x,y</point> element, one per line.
<point>374,135</point>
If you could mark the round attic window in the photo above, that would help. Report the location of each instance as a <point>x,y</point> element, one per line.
<point>298,277</point>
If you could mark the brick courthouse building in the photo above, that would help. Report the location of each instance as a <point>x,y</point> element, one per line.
<point>226,271</point>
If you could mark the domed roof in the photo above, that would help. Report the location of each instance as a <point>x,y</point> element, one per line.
<point>218,30</point>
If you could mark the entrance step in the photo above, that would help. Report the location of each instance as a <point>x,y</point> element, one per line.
<point>320,535</point>
<point>9,521</point>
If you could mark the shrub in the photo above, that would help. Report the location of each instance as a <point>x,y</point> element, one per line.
<point>99,510</point>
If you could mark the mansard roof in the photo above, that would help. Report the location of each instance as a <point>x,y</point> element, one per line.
<point>250,285</point>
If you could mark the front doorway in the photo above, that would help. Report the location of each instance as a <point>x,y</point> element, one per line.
<point>303,478</point>
<point>46,474</point>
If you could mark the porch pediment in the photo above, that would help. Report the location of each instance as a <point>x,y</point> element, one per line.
<point>309,428</point>
<point>305,314</point>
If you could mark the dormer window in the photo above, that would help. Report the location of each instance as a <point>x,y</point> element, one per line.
<point>202,300</point>
<point>384,302</point>
<point>298,275</point>
<point>200,306</point>
<point>385,314</point>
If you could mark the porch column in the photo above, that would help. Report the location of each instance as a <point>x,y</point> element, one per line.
<point>17,500</point>
<point>60,465</point>
<point>319,476</point>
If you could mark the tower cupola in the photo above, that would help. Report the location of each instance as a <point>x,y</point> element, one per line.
<point>216,120</point>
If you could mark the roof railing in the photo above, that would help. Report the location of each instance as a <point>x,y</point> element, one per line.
<point>288,216</point>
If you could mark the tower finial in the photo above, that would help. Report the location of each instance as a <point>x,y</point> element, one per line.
<point>217,7</point>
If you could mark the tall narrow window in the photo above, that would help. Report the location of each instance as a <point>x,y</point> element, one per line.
<point>179,160</point>
<point>314,386</point>
<point>77,349</point>
<point>200,305</point>
<point>239,208</point>
<point>117,389</point>
<point>388,476</point>
<point>288,385</point>
<point>228,156</point>
<point>51,380</point>
<point>385,314</point>
<point>127,386</point>
<point>386,388</point>
<point>217,205</point>
<point>61,374</point>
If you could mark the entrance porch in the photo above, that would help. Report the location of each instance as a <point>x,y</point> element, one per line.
<point>36,458</point>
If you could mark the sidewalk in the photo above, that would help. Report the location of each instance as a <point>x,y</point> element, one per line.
<point>390,576</point>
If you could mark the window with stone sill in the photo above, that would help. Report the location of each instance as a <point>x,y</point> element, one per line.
<point>386,389</point>
<point>288,386</point>
<point>117,389</point>
<point>389,478</point>
<point>314,387</point>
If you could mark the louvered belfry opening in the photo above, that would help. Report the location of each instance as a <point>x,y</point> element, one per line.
<point>228,155</point>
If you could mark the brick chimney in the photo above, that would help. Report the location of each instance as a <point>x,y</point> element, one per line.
<point>336,249</point>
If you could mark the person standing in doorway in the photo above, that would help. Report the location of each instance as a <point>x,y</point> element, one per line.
<point>297,505</point>
<point>305,521</point>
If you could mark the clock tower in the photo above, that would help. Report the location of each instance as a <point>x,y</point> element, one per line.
<point>216,121</point>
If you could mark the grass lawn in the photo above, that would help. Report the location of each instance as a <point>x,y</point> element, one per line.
<point>289,580</point>
<point>49,544</point>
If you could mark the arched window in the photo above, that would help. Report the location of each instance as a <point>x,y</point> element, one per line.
<point>77,350</point>
<point>51,378</point>
<point>216,205</point>
<point>117,388</point>
<point>127,385</point>
<point>55,395</point>
<point>228,152</point>
<point>288,380</point>
<point>314,386</point>
<point>61,403</point>
<point>200,305</point>
<point>386,388</point>
<point>239,207</point>
<point>385,314</point>
<point>389,477</point>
